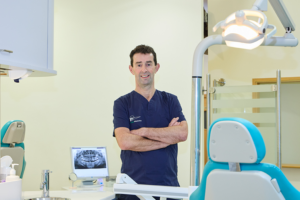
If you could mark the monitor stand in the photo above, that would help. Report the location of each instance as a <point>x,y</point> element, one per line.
<point>88,182</point>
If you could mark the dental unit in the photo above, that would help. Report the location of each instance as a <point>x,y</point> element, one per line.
<point>238,32</point>
<point>240,163</point>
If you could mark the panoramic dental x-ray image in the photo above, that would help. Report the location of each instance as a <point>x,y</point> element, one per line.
<point>89,159</point>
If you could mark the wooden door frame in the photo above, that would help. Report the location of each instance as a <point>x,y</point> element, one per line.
<point>258,81</point>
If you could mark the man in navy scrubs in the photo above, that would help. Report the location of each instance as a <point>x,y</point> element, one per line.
<point>148,124</point>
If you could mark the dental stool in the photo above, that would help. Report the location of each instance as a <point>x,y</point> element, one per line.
<point>234,172</point>
<point>12,137</point>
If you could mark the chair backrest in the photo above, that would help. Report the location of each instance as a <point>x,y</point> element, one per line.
<point>235,149</point>
<point>231,141</point>
<point>12,137</point>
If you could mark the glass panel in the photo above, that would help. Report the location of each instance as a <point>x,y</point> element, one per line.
<point>269,130</point>
<point>256,104</point>
<point>248,88</point>
<point>269,133</point>
<point>252,117</point>
<point>290,119</point>
<point>245,103</point>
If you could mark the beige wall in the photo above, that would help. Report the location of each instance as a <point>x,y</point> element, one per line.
<point>239,67</point>
<point>93,39</point>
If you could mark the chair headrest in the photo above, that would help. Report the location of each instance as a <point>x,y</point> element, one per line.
<point>235,140</point>
<point>13,132</point>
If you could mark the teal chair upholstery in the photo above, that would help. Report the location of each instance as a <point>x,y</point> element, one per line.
<point>12,137</point>
<point>252,165</point>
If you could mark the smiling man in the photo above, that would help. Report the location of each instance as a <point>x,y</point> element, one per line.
<point>148,124</point>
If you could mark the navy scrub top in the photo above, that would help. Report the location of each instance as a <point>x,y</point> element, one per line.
<point>133,111</point>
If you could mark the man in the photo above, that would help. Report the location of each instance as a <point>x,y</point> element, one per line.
<point>148,124</point>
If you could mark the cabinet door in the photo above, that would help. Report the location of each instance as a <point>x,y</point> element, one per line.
<point>24,29</point>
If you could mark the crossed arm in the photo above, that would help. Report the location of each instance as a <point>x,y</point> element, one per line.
<point>148,139</point>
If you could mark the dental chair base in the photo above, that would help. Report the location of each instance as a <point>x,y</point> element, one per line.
<point>11,190</point>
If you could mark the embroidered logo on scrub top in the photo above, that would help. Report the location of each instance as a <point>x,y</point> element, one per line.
<point>133,119</point>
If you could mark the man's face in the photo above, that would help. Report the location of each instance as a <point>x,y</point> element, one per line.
<point>143,69</point>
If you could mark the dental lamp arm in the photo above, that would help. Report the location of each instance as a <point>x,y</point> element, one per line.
<point>283,14</point>
<point>196,104</point>
<point>280,9</point>
<point>200,50</point>
<point>288,40</point>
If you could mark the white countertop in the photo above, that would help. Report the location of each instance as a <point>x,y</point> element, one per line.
<point>78,194</point>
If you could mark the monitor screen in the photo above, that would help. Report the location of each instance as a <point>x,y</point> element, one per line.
<point>89,162</point>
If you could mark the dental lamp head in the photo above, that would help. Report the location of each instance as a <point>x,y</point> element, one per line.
<point>18,74</point>
<point>239,32</point>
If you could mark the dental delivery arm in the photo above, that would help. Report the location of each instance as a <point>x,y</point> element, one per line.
<point>129,141</point>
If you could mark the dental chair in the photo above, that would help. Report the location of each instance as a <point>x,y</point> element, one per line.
<point>12,137</point>
<point>234,172</point>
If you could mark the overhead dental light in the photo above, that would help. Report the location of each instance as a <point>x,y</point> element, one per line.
<point>239,32</point>
<point>243,29</point>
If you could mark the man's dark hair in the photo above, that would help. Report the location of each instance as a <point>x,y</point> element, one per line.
<point>144,49</point>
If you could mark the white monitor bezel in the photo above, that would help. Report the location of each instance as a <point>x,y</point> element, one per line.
<point>94,177</point>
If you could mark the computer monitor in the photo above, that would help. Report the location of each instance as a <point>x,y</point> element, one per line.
<point>89,163</point>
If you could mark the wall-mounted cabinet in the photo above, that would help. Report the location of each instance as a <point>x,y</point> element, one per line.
<point>26,36</point>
